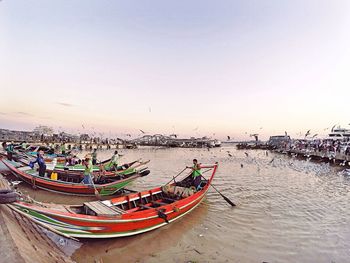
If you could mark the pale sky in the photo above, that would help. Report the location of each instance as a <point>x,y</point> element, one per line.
<point>190,67</point>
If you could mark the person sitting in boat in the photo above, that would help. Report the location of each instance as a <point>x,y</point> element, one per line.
<point>113,163</point>
<point>41,162</point>
<point>94,157</point>
<point>87,162</point>
<point>196,173</point>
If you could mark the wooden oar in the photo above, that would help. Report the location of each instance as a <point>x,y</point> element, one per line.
<point>226,199</point>
<point>97,194</point>
<point>176,176</point>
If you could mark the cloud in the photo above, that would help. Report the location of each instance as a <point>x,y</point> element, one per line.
<point>23,113</point>
<point>65,104</point>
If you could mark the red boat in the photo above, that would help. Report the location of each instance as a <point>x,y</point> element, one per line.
<point>68,183</point>
<point>122,216</point>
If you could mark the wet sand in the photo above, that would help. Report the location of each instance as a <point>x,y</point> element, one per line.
<point>288,211</point>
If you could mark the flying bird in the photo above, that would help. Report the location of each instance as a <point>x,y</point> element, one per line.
<point>314,135</point>
<point>142,131</point>
<point>255,136</point>
<point>246,154</point>
<point>307,133</point>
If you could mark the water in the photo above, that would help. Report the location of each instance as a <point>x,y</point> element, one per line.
<point>288,210</point>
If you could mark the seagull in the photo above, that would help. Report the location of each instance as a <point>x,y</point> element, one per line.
<point>314,135</point>
<point>246,154</point>
<point>230,155</point>
<point>142,131</point>
<point>228,138</point>
<point>307,133</point>
<point>286,133</point>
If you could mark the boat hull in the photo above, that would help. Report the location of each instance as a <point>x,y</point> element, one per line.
<point>105,228</point>
<point>70,187</point>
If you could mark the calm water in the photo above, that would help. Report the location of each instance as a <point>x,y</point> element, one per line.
<point>288,211</point>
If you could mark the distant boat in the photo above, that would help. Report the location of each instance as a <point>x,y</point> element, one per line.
<point>339,133</point>
<point>217,143</point>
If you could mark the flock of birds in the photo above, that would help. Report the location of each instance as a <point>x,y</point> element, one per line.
<point>262,161</point>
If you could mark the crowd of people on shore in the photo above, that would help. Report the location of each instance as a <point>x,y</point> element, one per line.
<point>320,146</point>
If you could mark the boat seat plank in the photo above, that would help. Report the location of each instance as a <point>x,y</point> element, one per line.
<point>169,199</point>
<point>117,209</point>
<point>145,206</point>
<point>159,203</point>
<point>101,209</point>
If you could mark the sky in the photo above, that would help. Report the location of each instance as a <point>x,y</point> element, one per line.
<point>193,68</point>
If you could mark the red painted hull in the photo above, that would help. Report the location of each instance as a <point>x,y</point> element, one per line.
<point>65,187</point>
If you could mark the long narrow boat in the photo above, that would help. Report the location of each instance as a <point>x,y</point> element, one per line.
<point>71,183</point>
<point>121,216</point>
<point>96,168</point>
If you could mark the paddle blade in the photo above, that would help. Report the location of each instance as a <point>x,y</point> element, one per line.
<point>228,200</point>
<point>97,194</point>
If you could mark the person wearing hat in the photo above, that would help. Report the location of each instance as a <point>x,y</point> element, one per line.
<point>41,162</point>
<point>87,162</point>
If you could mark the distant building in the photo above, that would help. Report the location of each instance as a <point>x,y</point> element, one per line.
<point>18,136</point>
<point>43,130</point>
<point>279,140</point>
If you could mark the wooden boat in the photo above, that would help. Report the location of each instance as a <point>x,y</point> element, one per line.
<point>71,183</point>
<point>101,167</point>
<point>121,216</point>
<point>124,170</point>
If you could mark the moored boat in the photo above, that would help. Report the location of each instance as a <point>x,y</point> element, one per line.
<point>104,166</point>
<point>121,216</point>
<point>70,183</point>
